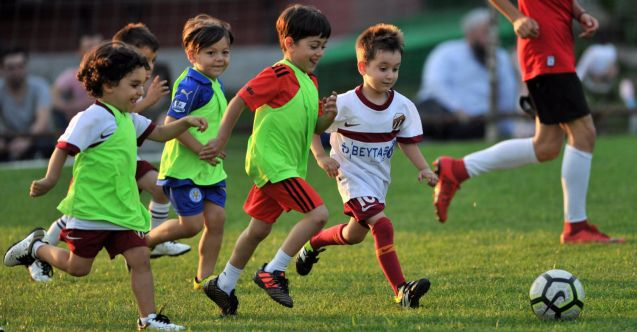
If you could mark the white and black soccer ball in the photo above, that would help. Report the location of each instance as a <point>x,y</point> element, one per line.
<point>557,294</point>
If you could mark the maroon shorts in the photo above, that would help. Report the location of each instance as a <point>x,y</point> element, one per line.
<point>363,208</point>
<point>143,167</point>
<point>268,202</point>
<point>87,244</point>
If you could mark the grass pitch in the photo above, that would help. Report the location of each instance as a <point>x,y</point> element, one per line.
<point>503,231</point>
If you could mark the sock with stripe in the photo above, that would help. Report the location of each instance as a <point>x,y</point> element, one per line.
<point>53,234</point>
<point>329,237</point>
<point>158,213</point>
<point>383,232</point>
<point>227,280</point>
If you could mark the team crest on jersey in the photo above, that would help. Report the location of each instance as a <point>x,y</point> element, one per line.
<point>399,118</point>
<point>195,195</point>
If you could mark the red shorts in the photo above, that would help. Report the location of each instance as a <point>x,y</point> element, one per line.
<point>268,202</point>
<point>363,208</point>
<point>87,244</point>
<point>143,167</point>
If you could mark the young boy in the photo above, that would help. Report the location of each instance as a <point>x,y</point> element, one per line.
<point>138,36</point>
<point>547,60</point>
<point>371,119</point>
<point>102,207</point>
<point>285,100</point>
<point>196,188</point>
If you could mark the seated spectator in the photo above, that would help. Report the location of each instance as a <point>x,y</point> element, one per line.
<point>68,95</point>
<point>25,110</point>
<point>455,91</point>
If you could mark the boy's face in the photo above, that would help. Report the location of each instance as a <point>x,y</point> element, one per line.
<point>306,52</point>
<point>213,60</point>
<point>151,56</point>
<point>127,91</point>
<point>381,73</point>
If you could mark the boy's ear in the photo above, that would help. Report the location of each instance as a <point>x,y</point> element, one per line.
<point>107,88</point>
<point>361,67</point>
<point>288,42</point>
<point>190,54</point>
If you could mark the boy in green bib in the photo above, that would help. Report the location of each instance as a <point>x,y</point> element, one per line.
<point>102,206</point>
<point>288,114</point>
<point>197,189</point>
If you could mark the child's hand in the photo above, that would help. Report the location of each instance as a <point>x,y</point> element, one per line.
<point>197,121</point>
<point>589,25</point>
<point>156,90</point>
<point>41,187</point>
<point>329,103</point>
<point>329,165</point>
<point>212,152</point>
<point>428,174</point>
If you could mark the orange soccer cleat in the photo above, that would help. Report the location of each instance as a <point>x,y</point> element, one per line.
<point>446,187</point>
<point>588,234</point>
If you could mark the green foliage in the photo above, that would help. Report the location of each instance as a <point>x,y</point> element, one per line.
<point>503,230</point>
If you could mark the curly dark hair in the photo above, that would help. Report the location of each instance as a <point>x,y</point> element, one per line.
<point>108,64</point>
<point>378,37</point>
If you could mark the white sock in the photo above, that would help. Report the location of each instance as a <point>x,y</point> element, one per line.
<point>36,246</point>
<point>158,213</point>
<point>228,278</point>
<point>52,236</point>
<point>504,155</point>
<point>279,263</point>
<point>576,170</point>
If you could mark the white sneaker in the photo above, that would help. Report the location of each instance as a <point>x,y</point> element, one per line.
<point>20,252</point>
<point>169,248</point>
<point>41,271</point>
<point>158,322</point>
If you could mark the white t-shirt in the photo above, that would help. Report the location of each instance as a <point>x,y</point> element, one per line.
<point>363,139</point>
<point>88,129</point>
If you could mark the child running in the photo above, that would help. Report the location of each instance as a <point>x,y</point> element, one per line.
<point>288,113</point>
<point>138,36</point>
<point>196,188</point>
<point>102,207</point>
<point>371,119</point>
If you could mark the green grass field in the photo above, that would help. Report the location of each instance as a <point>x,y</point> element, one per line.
<point>503,231</point>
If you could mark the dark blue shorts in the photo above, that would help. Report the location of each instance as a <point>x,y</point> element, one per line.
<point>188,200</point>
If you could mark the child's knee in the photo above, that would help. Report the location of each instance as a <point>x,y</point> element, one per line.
<point>78,270</point>
<point>319,216</point>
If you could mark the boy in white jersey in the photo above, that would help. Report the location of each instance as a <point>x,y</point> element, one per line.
<point>102,207</point>
<point>371,120</point>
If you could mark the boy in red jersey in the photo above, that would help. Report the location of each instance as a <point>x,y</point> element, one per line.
<point>288,115</point>
<point>373,119</point>
<point>545,48</point>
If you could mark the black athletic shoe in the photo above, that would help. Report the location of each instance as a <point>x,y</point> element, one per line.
<point>227,303</point>
<point>410,293</point>
<point>306,259</point>
<point>275,284</point>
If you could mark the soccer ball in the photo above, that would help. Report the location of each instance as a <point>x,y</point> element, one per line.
<point>557,294</point>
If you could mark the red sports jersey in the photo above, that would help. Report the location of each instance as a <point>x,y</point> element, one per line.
<point>552,51</point>
<point>274,86</point>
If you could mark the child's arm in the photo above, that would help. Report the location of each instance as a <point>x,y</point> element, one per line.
<point>329,165</point>
<point>414,155</point>
<point>329,113</point>
<point>185,137</point>
<point>215,147</point>
<point>56,163</point>
<point>156,90</point>
<point>524,27</point>
<point>173,129</point>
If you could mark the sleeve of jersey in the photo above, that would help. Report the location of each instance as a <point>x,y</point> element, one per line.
<point>143,127</point>
<point>82,132</point>
<point>411,128</point>
<point>341,116</point>
<point>261,89</point>
<point>188,97</point>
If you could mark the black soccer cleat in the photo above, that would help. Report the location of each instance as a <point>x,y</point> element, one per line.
<point>275,284</point>
<point>410,293</point>
<point>227,303</point>
<point>306,259</point>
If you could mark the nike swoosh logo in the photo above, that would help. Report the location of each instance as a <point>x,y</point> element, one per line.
<point>365,208</point>
<point>351,124</point>
<point>104,136</point>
